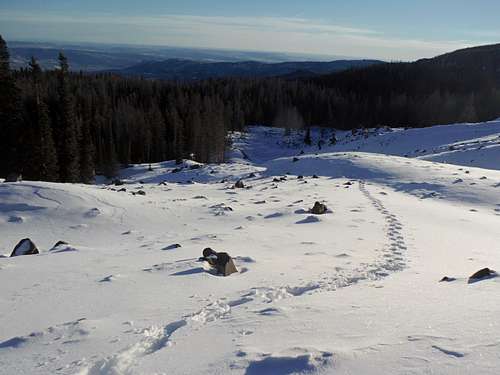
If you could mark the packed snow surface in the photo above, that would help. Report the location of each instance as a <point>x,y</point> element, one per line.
<point>353,291</point>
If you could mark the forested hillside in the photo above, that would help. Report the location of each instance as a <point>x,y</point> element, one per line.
<point>63,126</point>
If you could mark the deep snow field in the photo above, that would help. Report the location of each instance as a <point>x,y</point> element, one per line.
<point>353,291</point>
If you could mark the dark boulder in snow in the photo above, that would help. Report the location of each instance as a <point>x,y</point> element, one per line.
<point>252,175</point>
<point>14,177</point>
<point>239,184</point>
<point>117,182</point>
<point>295,159</point>
<point>315,176</point>
<point>484,273</point>
<point>24,247</point>
<point>319,209</point>
<point>221,262</point>
<point>447,279</point>
<point>140,192</point>
<point>172,247</point>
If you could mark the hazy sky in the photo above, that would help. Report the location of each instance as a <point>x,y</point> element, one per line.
<point>387,29</point>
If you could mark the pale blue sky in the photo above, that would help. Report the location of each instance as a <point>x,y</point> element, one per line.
<point>388,29</point>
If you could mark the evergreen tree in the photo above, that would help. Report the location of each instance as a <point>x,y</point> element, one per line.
<point>45,155</point>
<point>10,116</point>
<point>87,169</point>
<point>68,141</point>
<point>110,165</point>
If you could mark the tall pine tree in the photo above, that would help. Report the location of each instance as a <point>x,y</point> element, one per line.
<point>45,154</point>
<point>68,136</point>
<point>10,116</point>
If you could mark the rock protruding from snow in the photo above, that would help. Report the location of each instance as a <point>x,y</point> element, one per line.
<point>222,262</point>
<point>484,273</point>
<point>59,243</point>
<point>239,184</point>
<point>62,247</point>
<point>172,247</point>
<point>24,247</point>
<point>447,279</point>
<point>319,208</point>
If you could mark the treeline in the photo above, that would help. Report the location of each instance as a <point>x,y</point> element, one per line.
<point>424,93</point>
<point>63,126</point>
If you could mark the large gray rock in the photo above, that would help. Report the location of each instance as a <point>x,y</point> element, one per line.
<point>319,209</point>
<point>24,247</point>
<point>221,262</point>
<point>484,273</point>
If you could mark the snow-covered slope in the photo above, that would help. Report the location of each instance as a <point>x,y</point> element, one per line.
<point>354,291</point>
<point>476,145</point>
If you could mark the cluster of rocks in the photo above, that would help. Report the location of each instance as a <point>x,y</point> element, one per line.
<point>482,274</point>
<point>121,190</point>
<point>28,247</point>
<point>124,190</point>
<point>280,179</point>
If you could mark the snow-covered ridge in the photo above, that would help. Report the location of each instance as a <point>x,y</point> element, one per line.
<point>353,291</point>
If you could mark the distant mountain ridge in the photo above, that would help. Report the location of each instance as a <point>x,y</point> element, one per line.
<point>99,57</point>
<point>481,58</point>
<point>181,69</point>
